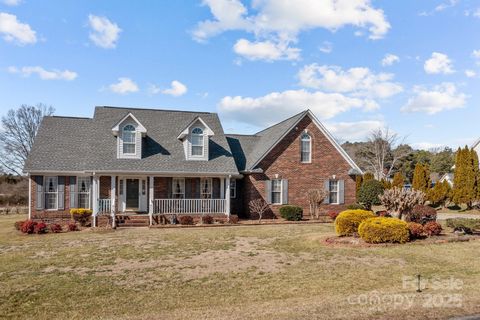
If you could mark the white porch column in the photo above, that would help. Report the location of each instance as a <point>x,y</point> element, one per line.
<point>95,193</point>
<point>29,197</point>
<point>227,197</point>
<point>222,188</point>
<point>151,180</point>
<point>113,194</point>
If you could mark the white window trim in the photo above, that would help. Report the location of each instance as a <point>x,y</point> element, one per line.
<point>233,189</point>
<point>330,192</point>
<point>89,192</point>
<point>192,145</point>
<point>129,143</point>
<point>182,184</point>
<point>210,184</point>
<point>45,192</point>
<point>281,191</point>
<point>310,147</point>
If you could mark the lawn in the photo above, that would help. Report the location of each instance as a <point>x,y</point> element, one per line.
<point>240,272</point>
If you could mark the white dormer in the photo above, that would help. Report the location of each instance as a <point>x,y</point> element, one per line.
<point>129,132</point>
<point>195,138</point>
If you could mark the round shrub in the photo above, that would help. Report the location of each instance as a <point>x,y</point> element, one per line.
<point>347,222</point>
<point>233,219</point>
<point>28,226</point>
<point>291,213</point>
<point>423,214</point>
<point>417,231</point>
<point>381,230</point>
<point>369,192</point>
<point>433,228</point>
<point>186,220</point>
<point>207,219</point>
<point>81,215</point>
<point>18,225</point>
<point>356,206</point>
<point>40,228</point>
<point>72,226</point>
<point>55,228</point>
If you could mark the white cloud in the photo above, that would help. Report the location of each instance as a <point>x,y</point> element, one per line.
<point>276,106</point>
<point>124,86</point>
<point>353,131</point>
<point>44,74</point>
<point>12,2</point>
<point>177,89</point>
<point>13,30</point>
<point>265,50</point>
<point>446,5</point>
<point>356,81</point>
<point>476,54</point>
<point>440,98</point>
<point>438,63</point>
<point>390,59</point>
<point>281,21</point>
<point>104,33</point>
<point>427,145</point>
<point>476,14</point>
<point>470,73</point>
<point>326,47</point>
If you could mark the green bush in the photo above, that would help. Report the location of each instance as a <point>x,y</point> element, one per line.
<point>464,224</point>
<point>347,222</point>
<point>291,213</point>
<point>381,230</point>
<point>369,192</point>
<point>356,206</point>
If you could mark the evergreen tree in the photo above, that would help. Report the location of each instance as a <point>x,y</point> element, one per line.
<point>439,194</point>
<point>421,178</point>
<point>386,184</point>
<point>368,176</point>
<point>358,182</point>
<point>398,180</point>
<point>466,180</point>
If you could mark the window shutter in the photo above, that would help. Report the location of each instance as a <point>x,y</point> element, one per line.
<point>284,191</point>
<point>341,191</point>
<point>73,192</point>
<point>61,192</point>
<point>327,187</point>
<point>268,191</point>
<point>40,198</point>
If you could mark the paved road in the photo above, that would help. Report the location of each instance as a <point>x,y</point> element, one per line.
<point>445,216</point>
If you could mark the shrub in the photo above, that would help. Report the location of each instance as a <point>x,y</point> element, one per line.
<point>463,224</point>
<point>72,226</point>
<point>423,214</point>
<point>401,202</point>
<point>55,228</point>
<point>18,225</point>
<point>28,226</point>
<point>291,213</point>
<point>333,214</point>
<point>186,220</point>
<point>369,192</point>
<point>417,231</point>
<point>433,228</point>
<point>233,219</point>
<point>356,206</point>
<point>40,228</point>
<point>81,215</point>
<point>381,230</point>
<point>347,222</point>
<point>207,219</point>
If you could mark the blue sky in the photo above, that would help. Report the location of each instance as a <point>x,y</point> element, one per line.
<point>413,66</point>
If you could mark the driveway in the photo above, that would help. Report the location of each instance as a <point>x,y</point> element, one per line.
<point>445,216</point>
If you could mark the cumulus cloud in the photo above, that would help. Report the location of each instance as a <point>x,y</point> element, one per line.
<point>44,74</point>
<point>15,31</point>
<point>124,86</point>
<point>356,81</point>
<point>437,99</point>
<point>177,89</point>
<point>438,63</point>
<point>470,73</point>
<point>265,50</point>
<point>12,3</point>
<point>353,131</point>
<point>427,145</point>
<point>282,21</point>
<point>390,59</point>
<point>326,47</point>
<point>104,33</point>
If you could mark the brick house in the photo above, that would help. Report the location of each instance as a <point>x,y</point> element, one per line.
<point>127,163</point>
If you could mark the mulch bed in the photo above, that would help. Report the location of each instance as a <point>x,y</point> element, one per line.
<point>240,223</point>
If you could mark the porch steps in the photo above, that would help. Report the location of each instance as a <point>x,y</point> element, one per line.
<point>133,221</point>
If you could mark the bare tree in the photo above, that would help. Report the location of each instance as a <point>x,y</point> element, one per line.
<point>400,202</point>
<point>382,152</point>
<point>315,199</point>
<point>258,206</point>
<point>19,128</point>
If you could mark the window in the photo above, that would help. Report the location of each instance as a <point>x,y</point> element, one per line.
<point>128,137</point>
<point>51,193</point>
<point>277,191</point>
<point>333,189</point>
<point>178,188</point>
<point>206,188</point>
<point>306,148</point>
<point>233,189</point>
<point>83,185</point>
<point>197,142</point>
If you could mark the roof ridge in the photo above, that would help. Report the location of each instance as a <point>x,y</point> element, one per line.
<point>241,134</point>
<point>69,117</point>
<point>152,109</point>
<point>274,125</point>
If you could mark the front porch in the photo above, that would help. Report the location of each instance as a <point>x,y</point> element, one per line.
<point>158,197</point>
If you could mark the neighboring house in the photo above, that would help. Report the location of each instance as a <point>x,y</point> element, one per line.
<point>156,163</point>
<point>447,177</point>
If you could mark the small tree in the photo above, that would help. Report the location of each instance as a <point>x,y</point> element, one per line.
<point>368,176</point>
<point>258,207</point>
<point>398,180</point>
<point>369,193</point>
<point>400,202</point>
<point>466,178</point>
<point>386,184</point>
<point>440,193</point>
<point>358,183</point>
<point>421,178</point>
<point>315,199</point>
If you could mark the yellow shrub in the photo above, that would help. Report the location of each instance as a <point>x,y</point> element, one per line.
<point>74,211</point>
<point>382,229</point>
<point>347,222</point>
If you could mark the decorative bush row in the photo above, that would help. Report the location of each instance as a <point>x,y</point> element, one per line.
<point>30,227</point>
<point>348,221</point>
<point>291,213</point>
<point>382,229</point>
<point>188,220</point>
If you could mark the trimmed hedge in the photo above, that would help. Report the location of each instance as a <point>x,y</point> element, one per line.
<point>381,230</point>
<point>417,231</point>
<point>291,213</point>
<point>347,222</point>
<point>423,214</point>
<point>186,220</point>
<point>433,228</point>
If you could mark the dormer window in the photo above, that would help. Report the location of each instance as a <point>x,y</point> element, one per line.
<point>129,137</point>
<point>197,142</point>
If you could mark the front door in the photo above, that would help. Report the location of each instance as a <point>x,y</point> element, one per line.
<point>132,194</point>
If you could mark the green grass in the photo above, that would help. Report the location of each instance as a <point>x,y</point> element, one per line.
<point>244,272</point>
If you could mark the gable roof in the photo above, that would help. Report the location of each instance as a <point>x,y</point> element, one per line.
<point>255,147</point>
<point>185,130</point>
<point>87,144</point>
<point>140,128</point>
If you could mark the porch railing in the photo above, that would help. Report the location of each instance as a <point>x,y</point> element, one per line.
<point>189,206</point>
<point>104,206</point>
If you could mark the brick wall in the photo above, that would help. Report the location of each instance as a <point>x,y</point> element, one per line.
<point>284,160</point>
<point>49,214</point>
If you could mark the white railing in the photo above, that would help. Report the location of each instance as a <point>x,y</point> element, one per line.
<point>189,206</point>
<point>104,206</point>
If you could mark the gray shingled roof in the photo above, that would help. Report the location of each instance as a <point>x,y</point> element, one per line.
<point>249,149</point>
<point>83,144</point>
